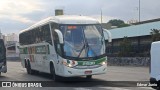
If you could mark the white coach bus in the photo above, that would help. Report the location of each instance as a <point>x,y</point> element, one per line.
<point>64,46</point>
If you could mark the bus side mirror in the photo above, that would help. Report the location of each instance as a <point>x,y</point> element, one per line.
<point>60,36</point>
<point>108,34</point>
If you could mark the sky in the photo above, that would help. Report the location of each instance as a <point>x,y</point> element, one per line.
<point>16,15</point>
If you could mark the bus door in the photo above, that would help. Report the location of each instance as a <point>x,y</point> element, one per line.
<point>46,58</point>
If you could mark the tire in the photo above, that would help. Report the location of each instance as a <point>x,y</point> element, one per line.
<point>89,76</point>
<point>25,64</point>
<point>28,68</point>
<point>157,88</point>
<point>52,71</point>
<point>153,81</point>
<point>35,72</point>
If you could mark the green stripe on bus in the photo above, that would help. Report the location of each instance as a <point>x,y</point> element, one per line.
<point>94,62</point>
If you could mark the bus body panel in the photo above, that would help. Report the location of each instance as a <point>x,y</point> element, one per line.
<point>37,60</point>
<point>155,61</point>
<point>3,62</point>
<point>155,64</point>
<point>71,72</point>
<point>95,69</point>
<point>39,63</point>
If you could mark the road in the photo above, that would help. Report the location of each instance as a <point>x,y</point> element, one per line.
<point>114,73</point>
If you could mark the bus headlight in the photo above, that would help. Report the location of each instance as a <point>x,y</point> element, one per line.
<point>68,65</point>
<point>104,63</point>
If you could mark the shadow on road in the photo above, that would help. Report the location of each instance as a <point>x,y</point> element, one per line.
<point>2,77</point>
<point>66,79</point>
<point>82,82</point>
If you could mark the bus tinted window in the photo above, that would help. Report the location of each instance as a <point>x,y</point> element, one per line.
<point>36,35</point>
<point>45,34</point>
<point>2,51</point>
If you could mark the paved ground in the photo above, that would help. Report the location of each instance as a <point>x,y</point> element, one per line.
<point>114,73</point>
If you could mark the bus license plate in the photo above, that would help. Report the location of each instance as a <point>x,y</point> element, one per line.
<point>87,72</point>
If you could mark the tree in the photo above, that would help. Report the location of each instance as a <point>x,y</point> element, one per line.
<point>123,25</point>
<point>125,47</point>
<point>118,23</point>
<point>155,34</point>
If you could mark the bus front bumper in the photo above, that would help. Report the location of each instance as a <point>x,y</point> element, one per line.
<point>71,72</point>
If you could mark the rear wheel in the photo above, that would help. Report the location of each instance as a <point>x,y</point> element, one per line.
<point>25,64</point>
<point>89,76</point>
<point>52,71</point>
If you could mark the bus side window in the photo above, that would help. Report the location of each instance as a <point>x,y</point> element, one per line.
<point>46,36</point>
<point>37,35</point>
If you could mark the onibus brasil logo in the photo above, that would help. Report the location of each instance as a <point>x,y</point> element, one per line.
<point>21,84</point>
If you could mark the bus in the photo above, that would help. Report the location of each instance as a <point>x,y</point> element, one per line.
<point>64,46</point>
<point>3,64</point>
<point>154,68</point>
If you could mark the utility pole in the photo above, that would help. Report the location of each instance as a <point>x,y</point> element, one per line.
<point>101,17</point>
<point>139,11</point>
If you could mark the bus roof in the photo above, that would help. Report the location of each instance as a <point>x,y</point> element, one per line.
<point>64,19</point>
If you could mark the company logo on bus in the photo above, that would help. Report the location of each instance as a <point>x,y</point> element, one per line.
<point>88,63</point>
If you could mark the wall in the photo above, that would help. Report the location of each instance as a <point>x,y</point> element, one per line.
<point>129,61</point>
<point>140,46</point>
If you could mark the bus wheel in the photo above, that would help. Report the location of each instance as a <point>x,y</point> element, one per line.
<point>29,70</point>
<point>54,76</point>
<point>89,76</point>
<point>25,64</point>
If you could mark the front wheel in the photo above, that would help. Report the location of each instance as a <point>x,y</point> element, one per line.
<point>28,68</point>
<point>89,76</point>
<point>54,76</point>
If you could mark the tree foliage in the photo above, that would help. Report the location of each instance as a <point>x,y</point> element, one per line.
<point>155,34</point>
<point>118,23</point>
<point>123,25</point>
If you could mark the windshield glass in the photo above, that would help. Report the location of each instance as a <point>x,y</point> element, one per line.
<point>83,40</point>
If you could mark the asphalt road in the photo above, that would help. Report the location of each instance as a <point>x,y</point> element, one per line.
<point>114,73</point>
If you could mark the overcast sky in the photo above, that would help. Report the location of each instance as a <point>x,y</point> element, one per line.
<point>16,15</point>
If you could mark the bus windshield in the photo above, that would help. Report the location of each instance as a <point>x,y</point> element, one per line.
<point>82,41</point>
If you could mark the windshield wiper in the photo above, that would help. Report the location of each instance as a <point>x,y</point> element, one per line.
<point>87,48</point>
<point>81,50</point>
